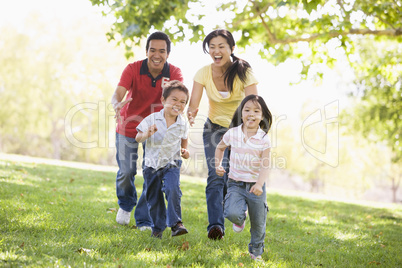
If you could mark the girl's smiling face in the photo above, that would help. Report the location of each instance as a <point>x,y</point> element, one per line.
<point>251,114</point>
<point>219,50</point>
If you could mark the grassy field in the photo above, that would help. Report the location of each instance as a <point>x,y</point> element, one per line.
<point>59,216</point>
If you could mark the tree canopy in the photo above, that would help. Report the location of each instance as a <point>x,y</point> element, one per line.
<point>281,27</point>
<point>313,31</point>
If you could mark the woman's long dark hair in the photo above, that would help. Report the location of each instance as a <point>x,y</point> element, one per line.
<point>239,67</point>
<point>265,123</point>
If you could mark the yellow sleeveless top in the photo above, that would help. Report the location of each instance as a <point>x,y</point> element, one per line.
<point>221,109</point>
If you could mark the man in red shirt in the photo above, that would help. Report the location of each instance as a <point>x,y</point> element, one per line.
<point>142,81</point>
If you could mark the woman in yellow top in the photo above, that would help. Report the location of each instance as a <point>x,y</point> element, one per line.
<point>226,81</point>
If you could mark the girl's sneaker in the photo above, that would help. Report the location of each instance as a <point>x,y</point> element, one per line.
<point>237,228</point>
<point>256,258</point>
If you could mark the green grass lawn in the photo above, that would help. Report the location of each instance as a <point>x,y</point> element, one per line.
<point>57,216</point>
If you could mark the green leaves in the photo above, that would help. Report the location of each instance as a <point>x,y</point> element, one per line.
<point>135,19</point>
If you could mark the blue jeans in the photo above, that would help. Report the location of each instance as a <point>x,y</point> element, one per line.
<point>126,156</point>
<point>164,180</point>
<point>216,186</point>
<point>237,200</point>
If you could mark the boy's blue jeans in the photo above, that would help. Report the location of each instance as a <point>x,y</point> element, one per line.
<point>237,200</point>
<point>126,157</point>
<point>216,186</point>
<point>164,180</point>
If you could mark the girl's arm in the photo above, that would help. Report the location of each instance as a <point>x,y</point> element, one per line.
<point>184,152</point>
<point>220,149</point>
<point>264,172</point>
<point>251,89</point>
<point>196,95</point>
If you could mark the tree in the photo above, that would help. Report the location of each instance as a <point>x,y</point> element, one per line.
<point>283,28</point>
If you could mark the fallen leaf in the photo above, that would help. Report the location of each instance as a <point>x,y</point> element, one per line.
<point>111,209</point>
<point>185,246</point>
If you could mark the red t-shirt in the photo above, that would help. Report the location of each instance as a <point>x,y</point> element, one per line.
<point>146,92</point>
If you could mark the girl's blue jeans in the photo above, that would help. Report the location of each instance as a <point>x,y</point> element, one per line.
<point>126,156</point>
<point>164,180</point>
<point>238,199</point>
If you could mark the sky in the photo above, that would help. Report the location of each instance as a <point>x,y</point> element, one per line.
<point>274,81</point>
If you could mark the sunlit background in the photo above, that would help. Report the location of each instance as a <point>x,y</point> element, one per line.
<point>58,73</point>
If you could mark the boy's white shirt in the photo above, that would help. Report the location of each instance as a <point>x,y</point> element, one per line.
<point>163,147</point>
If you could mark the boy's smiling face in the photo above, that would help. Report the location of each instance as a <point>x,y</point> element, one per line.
<point>175,103</point>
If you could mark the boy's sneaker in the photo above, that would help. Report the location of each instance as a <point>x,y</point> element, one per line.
<point>216,232</point>
<point>123,217</point>
<point>157,234</point>
<point>256,258</point>
<point>179,229</point>
<point>144,228</point>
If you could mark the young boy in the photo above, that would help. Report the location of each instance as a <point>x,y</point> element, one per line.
<point>165,133</point>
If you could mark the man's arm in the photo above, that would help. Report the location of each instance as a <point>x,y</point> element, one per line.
<point>116,101</point>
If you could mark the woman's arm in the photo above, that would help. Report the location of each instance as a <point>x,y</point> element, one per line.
<point>195,99</point>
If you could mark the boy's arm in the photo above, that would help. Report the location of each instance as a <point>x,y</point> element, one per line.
<point>143,136</point>
<point>264,172</point>
<point>184,152</point>
<point>220,149</point>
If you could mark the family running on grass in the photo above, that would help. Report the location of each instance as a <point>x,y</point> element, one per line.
<point>150,101</point>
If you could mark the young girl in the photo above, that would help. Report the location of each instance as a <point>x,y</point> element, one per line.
<point>249,165</point>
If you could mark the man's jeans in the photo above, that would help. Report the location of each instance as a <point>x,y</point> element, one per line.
<point>164,180</point>
<point>237,200</point>
<point>216,186</point>
<point>126,157</point>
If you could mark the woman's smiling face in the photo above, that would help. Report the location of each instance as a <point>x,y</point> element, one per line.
<point>219,50</point>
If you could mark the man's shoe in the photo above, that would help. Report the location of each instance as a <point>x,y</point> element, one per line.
<point>179,229</point>
<point>216,232</point>
<point>144,228</point>
<point>157,234</point>
<point>123,217</point>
